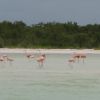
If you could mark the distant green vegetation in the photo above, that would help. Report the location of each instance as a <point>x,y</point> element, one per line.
<point>49,35</point>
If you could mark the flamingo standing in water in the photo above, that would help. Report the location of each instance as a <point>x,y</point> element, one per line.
<point>29,56</point>
<point>1,59</point>
<point>76,57</point>
<point>83,56</point>
<point>10,59</point>
<point>71,61</point>
<point>6,58</point>
<point>41,59</point>
<point>79,56</point>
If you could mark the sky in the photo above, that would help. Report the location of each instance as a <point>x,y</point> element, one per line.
<point>35,11</point>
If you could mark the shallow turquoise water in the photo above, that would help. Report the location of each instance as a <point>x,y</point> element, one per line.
<point>23,79</point>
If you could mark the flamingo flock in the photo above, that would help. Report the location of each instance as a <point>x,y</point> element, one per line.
<point>40,59</point>
<point>76,57</point>
<point>79,56</point>
<point>4,58</point>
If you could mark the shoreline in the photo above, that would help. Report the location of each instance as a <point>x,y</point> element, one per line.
<point>48,51</point>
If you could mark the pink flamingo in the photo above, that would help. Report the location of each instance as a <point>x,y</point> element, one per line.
<point>6,58</point>
<point>1,58</point>
<point>41,59</point>
<point>79,56</point>
<point>10,59</point>
<point>71,61</point>
<point>29,56</point>
<point>83,56</point>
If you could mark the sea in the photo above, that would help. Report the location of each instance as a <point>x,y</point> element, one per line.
<point>57,79</point>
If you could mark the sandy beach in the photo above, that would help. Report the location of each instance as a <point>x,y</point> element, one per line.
<point>48,51</point>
